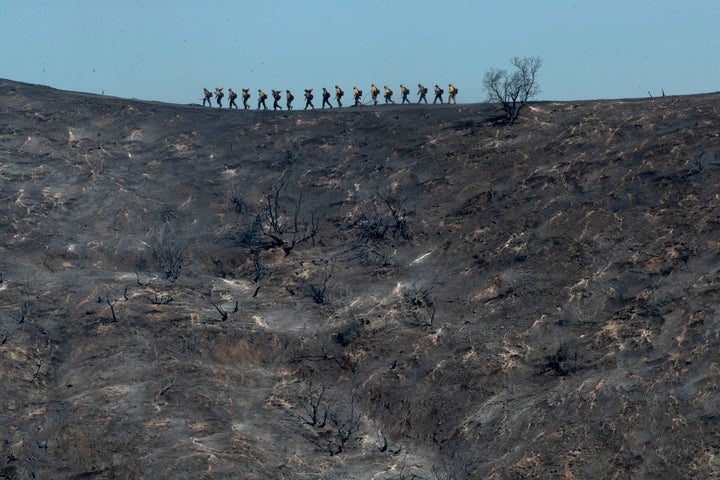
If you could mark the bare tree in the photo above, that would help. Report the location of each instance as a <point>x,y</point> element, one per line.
<point>275,227</point>
<point>317,291</point>
<point>112,307</point>
<point>346,421</point>
<point>335,422</point>
<point>170,251</point>
<point>314,405</point>
<point>169,383</point>
<point>513,90</point>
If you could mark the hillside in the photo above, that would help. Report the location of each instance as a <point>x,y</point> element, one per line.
<point>388,292</point>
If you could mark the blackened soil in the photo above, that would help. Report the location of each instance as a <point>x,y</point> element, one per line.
<point>367,293</point>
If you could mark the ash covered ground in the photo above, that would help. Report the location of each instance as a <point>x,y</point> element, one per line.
<point>387,292</point>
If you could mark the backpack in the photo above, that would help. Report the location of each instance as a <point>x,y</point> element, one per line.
<point>455,90</point>
<point>220,95</point>
<point>291,97</point>
<point>264,96</point>
<point>425,90</point>
<point>389,93</point>
<point>310,96</point>
<point>340,94</point>
<point>441,91</point>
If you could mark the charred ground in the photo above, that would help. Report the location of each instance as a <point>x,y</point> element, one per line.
<point>383,292</point>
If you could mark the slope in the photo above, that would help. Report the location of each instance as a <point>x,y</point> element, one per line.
<point>360,293</point>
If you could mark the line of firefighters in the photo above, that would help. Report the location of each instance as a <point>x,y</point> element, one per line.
<point>357,95</point>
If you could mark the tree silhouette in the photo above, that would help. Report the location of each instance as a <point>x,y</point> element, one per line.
<point>513,90</point>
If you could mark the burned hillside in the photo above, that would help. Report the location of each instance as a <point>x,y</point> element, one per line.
<point>388,292</point>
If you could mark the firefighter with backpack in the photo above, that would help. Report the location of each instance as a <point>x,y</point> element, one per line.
<point>232,96</point>
<point>261,99</point>
<point>289,97</point>
<point>276,99</point>
<point>218,96</point>
<point>404,91</point>
<point>207,98</point>
<point>452,91</point>
<point>308,98</point>
<point>326,98</point>
<point>245,97</point>
<point>422,91</point>
<point>357,95</point>
<point>374,92</point>
<point>387,95</point>
<point>438,94</point>
<point>338,95</point>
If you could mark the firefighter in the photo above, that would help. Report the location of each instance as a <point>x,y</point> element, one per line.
<point>326,98</point>
<point>261,99</point>
<point>452,91</point>
<point>289,97</point>
<point>207,98</point>
<point>276,99</point>
<point>357,94</point>
<point>422,91</point>
<point>338,95</point>
<point>232,96</point>
<point>308,98</point>
<point>438,94</point>
<point>388,94</point>
<point>245,97</point>
<point>404,91</point>
<point>218,96</point>
<point>374,91</point>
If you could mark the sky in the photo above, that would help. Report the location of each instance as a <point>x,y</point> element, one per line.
<point>168,50</point>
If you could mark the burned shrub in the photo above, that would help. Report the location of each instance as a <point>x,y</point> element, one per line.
<point>560,363</point>
<point>380,220</point>
<point>279,223</point>
<point>419,305</point>
<point>169,251</point>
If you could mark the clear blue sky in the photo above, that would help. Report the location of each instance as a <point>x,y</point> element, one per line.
<point>169,50</point>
